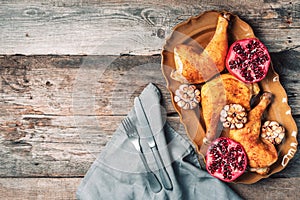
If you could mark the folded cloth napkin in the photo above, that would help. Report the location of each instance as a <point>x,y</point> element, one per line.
<point>118,172</point>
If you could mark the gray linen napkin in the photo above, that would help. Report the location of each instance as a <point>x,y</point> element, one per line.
<point>118,172</point>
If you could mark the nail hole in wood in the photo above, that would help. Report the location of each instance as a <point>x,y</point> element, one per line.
<point>48,83</point>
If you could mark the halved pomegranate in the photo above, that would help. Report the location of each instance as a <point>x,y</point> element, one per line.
<point>226,159</point>
<point>248,60</point>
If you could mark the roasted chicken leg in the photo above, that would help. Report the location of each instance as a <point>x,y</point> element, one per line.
<point>261,153</point>
<point>195,65</point>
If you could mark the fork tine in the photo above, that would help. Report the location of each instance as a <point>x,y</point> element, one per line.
<point>125,124</point>
<point>129,127</point>
<point>129,123</point>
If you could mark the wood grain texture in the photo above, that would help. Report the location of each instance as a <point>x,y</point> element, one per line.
<point>94,27</point>
<point>58,112</point>
<point>270,189</point>
<point>64,188</point>
<point>38,188</point>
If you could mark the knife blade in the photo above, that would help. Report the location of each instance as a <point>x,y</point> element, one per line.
<point>144,122</point>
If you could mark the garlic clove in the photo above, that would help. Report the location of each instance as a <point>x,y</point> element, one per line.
<point>226,124</point>
<point>223,113</point>
<point>223,119</point>
<point>277,140</point>
<point>191,97</point>
<point>186,106</point>
<point>281,135</point>
<point>184,87</point>
<point>197,92</point>
<point>232,126</point>
<point>181,103</point>
<point>226,107</point>
<point>273,123</point>
<point>197,99</point>
<point>193,104</point>
<point>244,120</point>
<point>176,99</point>
<point>239,125</point>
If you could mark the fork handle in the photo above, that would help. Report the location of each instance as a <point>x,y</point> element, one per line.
<point>162,170</point>
<point>152,179</point>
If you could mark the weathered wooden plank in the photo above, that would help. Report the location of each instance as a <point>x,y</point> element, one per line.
<point>272,189</point>
<point>111,27</point>
<point>65,188</point>
<point>38,188</point>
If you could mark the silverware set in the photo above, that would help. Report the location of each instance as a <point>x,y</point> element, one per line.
<point>134,138</point>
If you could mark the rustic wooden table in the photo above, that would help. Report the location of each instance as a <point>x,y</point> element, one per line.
<point>69,70</point>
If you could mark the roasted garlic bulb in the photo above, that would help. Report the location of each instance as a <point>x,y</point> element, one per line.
<point>273,131</point>
<point>233,116</point>
<point>187,96</point>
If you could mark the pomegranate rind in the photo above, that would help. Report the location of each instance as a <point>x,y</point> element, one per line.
<point>261,67</point>
<point>219,172</point>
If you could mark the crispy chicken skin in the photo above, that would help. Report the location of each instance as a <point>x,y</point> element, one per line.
<point>261,153</point>
<point>220,91</point>
<point>196,66</point>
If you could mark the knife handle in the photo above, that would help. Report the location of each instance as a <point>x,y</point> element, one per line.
<point>165,178</point>
<point>152,179</point>
<point>153,182</point>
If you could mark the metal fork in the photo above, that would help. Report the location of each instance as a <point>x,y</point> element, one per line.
<point>134,138</point>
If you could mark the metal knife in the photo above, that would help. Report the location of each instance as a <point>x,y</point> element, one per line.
<point>144,122</point>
